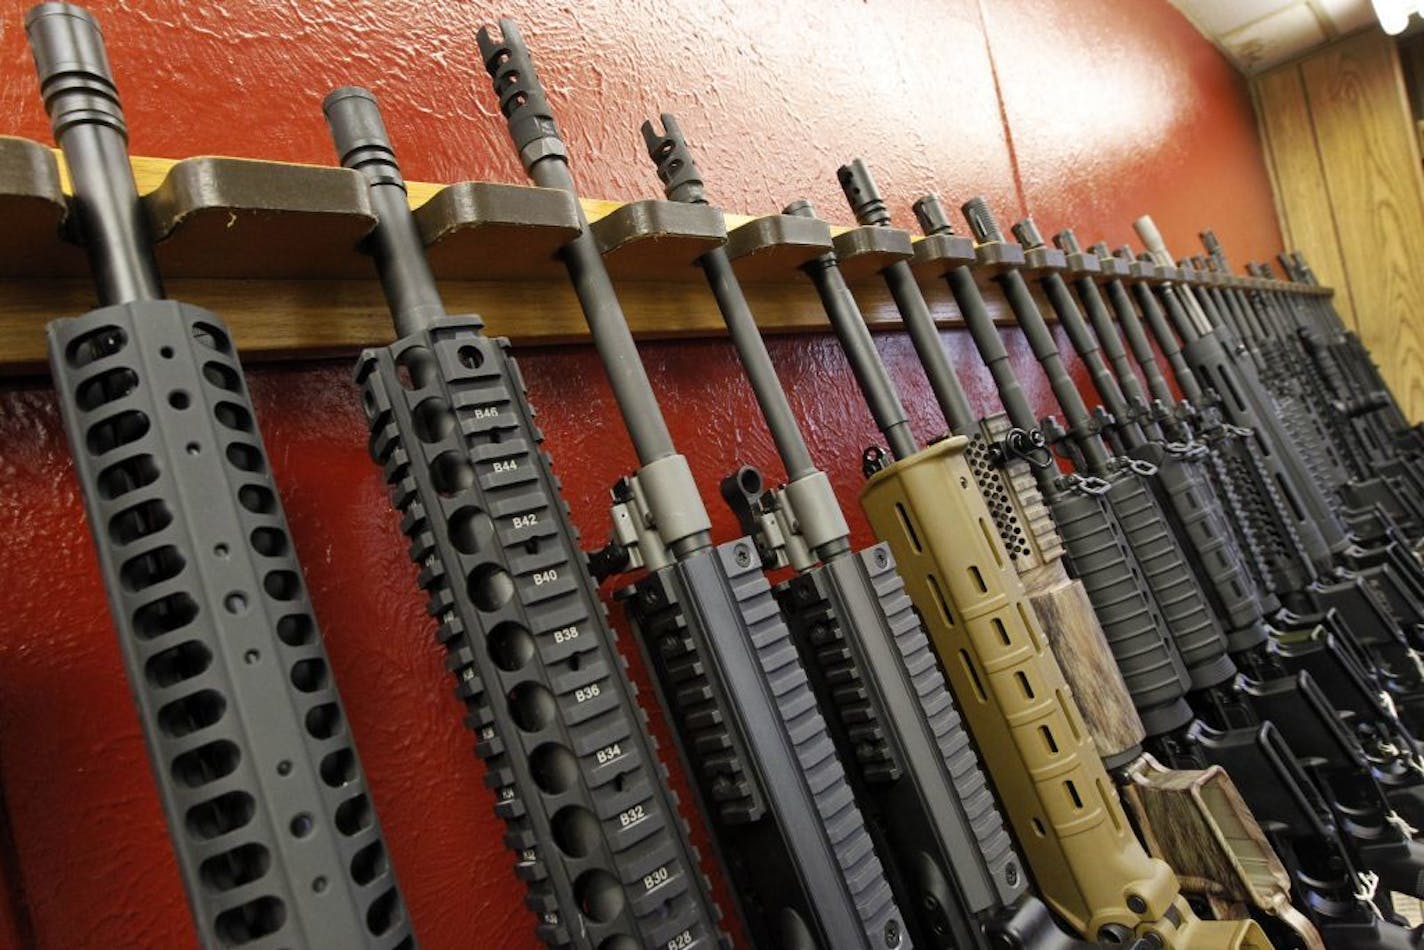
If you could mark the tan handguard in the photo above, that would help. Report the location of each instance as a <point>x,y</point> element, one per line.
<point>1217,849</point>
<point>1061,603</point>
<point>1089,866</point>
<point>1195,820</point>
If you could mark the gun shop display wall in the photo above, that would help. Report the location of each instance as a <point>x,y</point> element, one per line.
<point>620,475</point>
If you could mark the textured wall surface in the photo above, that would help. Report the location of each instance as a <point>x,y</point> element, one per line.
<point>1107,110</point>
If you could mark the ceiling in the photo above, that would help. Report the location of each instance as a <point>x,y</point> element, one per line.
<point>1259,34</point>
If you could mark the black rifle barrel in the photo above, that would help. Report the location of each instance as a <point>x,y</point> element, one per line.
<point>869,208</point>
<point>536,136</point>
<point>1157,321</point>
<point>362,142</point>
<point>88,122</point>
<point>880,395</point>
<point>1082,337</point>
<point>1107,333</point>
<point>756,363</point>
<point>1133,332</point>
<point>684,184</point>
<point>933,219</point>
<point>1040,339</point>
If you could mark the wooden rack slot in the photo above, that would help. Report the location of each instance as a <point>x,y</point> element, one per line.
<point>275,248</point>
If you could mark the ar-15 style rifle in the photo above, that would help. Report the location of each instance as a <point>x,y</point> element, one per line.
<point>1224,854</point>
<point>915,772</point>
<point>1343,675</point>
<point>1375,468</point>
<point>1346,391</point>
<point>1303,829</point>
<point>1392,573</point>
<point>770,784</point>
<point>269,813</point>
<point>1370,397</point>
<point>1179,477</point>
<point>1263,694</point>
<point>925,504</point>
<point>1372,500</point>
<point>1332,627</point>
<point>1362,602</point>
<point>528,642</point>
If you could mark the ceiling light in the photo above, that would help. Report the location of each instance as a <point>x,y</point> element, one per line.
<point>1394,14</point>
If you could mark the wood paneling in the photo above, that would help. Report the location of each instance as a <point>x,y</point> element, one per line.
<point>1305,214</point>
<point>1347,172</point>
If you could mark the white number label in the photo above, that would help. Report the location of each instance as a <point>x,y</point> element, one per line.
<point>681,942</point>
<point>566,634</point>
<point>660,876</point>
<point>632,816</point>
<point>508,465</point>
<point>609,753</point>
<point>546,577</point>
<point>587,693</point>
<point>525,521</point>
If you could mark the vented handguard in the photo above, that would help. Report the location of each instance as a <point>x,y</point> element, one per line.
<point>1088,866</point>
<point>269,812</point>
<point>597,837</point>
<point>1069,616</point>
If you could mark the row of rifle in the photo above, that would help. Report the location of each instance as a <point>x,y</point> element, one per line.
<point>1207,609</point>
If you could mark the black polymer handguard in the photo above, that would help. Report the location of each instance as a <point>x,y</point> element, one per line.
<point>769,782</point>
<point>268,809</point>
<point>1212,354</point>
<point>594,828</point>
<point>1364,792</point>
<point>1280,561</point>
<point>1195,631</point>
<point>1179,479</point>
<point>907,754</point>
<point>1247,472</point>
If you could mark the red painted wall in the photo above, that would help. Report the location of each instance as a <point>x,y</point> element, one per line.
<point>1086,114</point>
